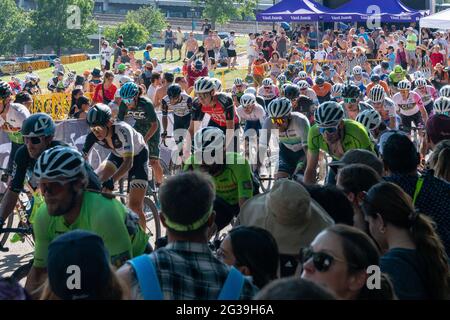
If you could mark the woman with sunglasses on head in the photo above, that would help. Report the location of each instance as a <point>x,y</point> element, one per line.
<point>414,256</point>
<point>129,155</point>
<point>293,130</point>
<point>339,259</point>
<point>334,135</point>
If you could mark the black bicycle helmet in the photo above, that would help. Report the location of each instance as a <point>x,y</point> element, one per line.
<point>37,125</point>
<point>320,80</point>
<point>291,91</point>
<point>174,91</point>
<point>99,115</point>
<point>351,91</point>
<point>5,90</point>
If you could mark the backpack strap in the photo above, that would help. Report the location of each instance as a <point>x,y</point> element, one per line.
<point>146,276</point>
<point>232,287</point>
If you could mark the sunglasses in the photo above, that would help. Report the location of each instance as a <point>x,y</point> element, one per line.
<point>279,121</point>
<point>350,100</point>
<point>127,101</point>
<point>328,130</point>
<point>54,187</point>
<point>33,140</point>
<point>322,261</point>
<point>204,95</point>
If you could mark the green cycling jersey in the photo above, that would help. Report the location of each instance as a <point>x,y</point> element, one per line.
<point>396,77</point>
<point>355,137</point>
<point>109,218</point>
<point>234,182</point>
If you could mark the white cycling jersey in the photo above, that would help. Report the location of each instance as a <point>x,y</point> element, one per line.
<point>15,116</point>
<point>180,109</point>
<point>257,113</point>
<point>294,138</point>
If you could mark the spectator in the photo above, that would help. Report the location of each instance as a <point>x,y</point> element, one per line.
<point>121,68</point>
<point>354,180</point>
<point>76,94</point>
<point>440,77</point>
<point>206,27</point>
<point>116,54</point>
<point>10,289</point>
<point>146,76</point>
<point>195,70</point>
<point>120,42</point>
<point>124,58</point>
<point>148,49</point>
<point>169,42</point>
<point>252,53</point>
<point>191,46</point>
<point>430,194</point>
<point>87,251</point>
<point>282,44</point>
<point>338,259</point>
<point>360,156</point>
<point>105,55</point>
<point>82,108</point>
<point>96,76</point>
<point>400,57</point>
<point>25,99</point>
<point>293,288</point>
<point>186,269</point>
<point>259,69</point>
<point>104,92</point>
<point>437,129</point>
<point>292,221</point>
<point>179,40</point>
<point>161,92</point>
<point>253,251</point>
<point>414,256</point>
<point>154,85</point>
<point>436,56</point>
<point>182,82</point>
<point>58,67</point>
<point>232,56</point>
<point>440,160</point>
<point>156,66</point>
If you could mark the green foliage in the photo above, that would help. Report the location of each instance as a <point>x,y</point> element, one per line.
<point>222,11</point>
<point>55,25</point>
<point>134,34</point>
<point>14,23</point>
<point>151,18</point>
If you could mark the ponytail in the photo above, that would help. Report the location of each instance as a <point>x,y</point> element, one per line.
<point>432,252</point>
<point>442,166</point>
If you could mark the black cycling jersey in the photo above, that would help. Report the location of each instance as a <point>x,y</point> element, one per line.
<point>144,114</point>
<point>23,164</point>
<point>220,112</point>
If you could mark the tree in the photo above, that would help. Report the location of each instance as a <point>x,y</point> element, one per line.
<point>151,18</point>
<point>222,11</point>
<point>62,24</point>
<point>14,23</point>
<point>134,34</point>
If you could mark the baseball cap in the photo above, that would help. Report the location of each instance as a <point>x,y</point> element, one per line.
<point>358,156</point>
<point>80,251</point>
<point>438,128</point>
<point>122,67</point>
<point>199,65</point>
<point>385,136</point>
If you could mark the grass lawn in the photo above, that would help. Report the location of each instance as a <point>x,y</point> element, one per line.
<point>79,67</point>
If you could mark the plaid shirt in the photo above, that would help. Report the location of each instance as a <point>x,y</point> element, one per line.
<point>190,271</point>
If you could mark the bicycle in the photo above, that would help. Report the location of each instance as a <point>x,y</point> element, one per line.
<point>171,168</point>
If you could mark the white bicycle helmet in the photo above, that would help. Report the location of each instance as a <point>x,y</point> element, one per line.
<point>267,82</point>
<point>282,79</point>
<point>377,94</point>
<point>279,108</point>
<point>445,91</point>
<point>203,85</point>
<point>60,163</point>
<point>125,79</point>
<point>251,90</point>
<point>248,99</point>
<point>441,105</point>
<point>217,84</point>
<point>418,75</point>
<point>209,139</point>
<point>238,81</point>
<point>329,114</point>
<point>420,82</point>
<point>336,89</point>
<point>370,119</point>
<point>303,84</point>
<point>357,70</point>
<point>302,75</point>
<point>404,85</point>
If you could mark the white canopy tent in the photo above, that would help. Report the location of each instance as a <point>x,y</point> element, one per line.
<point>440,20</point>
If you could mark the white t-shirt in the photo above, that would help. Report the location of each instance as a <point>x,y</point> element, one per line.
<point>320,55</point>
<point>250,47</point>
<point>180,37</point>
<point>151,92</point>
<point>158,68</point>
<point>232,46</point>
<point>116,80</point>
<point>106,54</point>
<point>16,115</point>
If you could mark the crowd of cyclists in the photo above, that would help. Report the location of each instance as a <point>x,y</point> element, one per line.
<point>307,106</point>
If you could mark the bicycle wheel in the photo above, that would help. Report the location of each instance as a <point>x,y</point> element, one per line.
<point>266,180</point>
<point>8,224</point>
<point>22,271</point>
<point>152,218</point>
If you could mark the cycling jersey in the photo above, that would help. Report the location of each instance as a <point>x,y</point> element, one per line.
<point>144,114</point>
<point>294,138</point>
<point>257,113</point>
<point>238,94</point>
<point>310,93</point>
<point>234,182</point>
<point>363,81</point>
<point>387,110</point>
<point>395,78</point>
<point>24,164</point>
<point>127,142</point>
<point>355,137</point>
<point>270,94</point>
<point>180,109</point>
<point>361,107</point>
<point>410,106</point>
<point>117,225</point>
<point>428,95</point>
<point>15,116</point>
<point>221,110</point>
<point>308,79</point>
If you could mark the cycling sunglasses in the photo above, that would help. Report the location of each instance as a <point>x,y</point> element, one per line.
<point>204,95</point>
<point>350,100</point>
<point>328,130</point>
<point>96,129</point>
<point>54,187</point>
<point>322,261</point>
<point>279,121</point>
<point>127,101</point>
<point>33,140</point>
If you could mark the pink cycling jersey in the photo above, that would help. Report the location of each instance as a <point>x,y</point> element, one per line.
<point>410,106</point>
<point>428,95</point>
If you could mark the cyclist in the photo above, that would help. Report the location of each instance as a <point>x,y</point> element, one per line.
<point>281,80</point>
<point>410,106</point>
<point>307,91</point>
<point>352,103</point>
<point>330,75</point>
<point>397,75</point>
<point>259,99</point>
<point>371,120</point>
<point>268,91</point>
<point>238,90</point>
<point>384,105</point>
<point>290,72</point>
<point>442,106</point>
<point>12,116</point>
<point>38,131</point>
<point>334,135</point>
<point>32,85</point>
<point>217,84</point>
<point>360,78</point>
<point>230,171</point>
<point>291,92</point>
<point>445,91</point>
<point>129,154</point>
<point>181,105</point>
<point>336,92</point>
<point>61,173</point>
<point>376,81</point>
<point>302,75</point>
<point>427,93</point>
<point>218,105</point>
<point>322,89</point>
<point>137,106</point>
<point>382,70</point>
<point>292,130</point>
